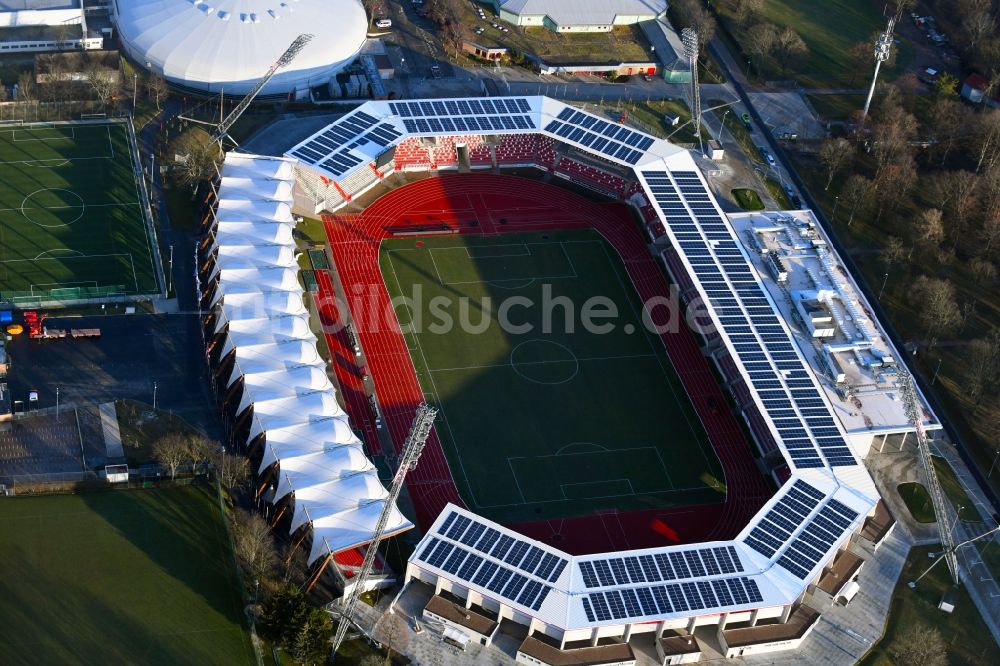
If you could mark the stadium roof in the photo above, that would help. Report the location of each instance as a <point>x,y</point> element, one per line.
<point>584,12</point>
<point>787,543</point>
<point>266,329</point>
<point>227,45</point>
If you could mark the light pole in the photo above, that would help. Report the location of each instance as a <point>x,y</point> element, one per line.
<point>994,464</point>
<point>836,201</point>
<point>936,371</point>
<point>135,89</point>
<point>170,276</point>
<point>747,76</point>
<point>154,395</point>
<point>57,403</point>
<point>885,280</point>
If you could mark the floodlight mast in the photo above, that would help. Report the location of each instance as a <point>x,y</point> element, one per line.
<point>883,48</point>
<point>689,37</point>
<point>914,413</point>
<point>222,131</point>
<point>420,430</point>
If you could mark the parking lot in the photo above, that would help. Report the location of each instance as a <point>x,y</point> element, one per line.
<point>134,353</point>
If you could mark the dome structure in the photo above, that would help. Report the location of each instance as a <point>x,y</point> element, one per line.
<point>228,45</point>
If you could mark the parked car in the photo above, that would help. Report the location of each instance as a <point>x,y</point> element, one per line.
<point>796,202</point>
<point>383,23</point>
<point>789,191</point>
<point>435,72</point>
<point>746,121</point>
<point>766,154</point>
<point>647,78</point>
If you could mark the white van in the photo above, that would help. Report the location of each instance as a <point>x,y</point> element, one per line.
<point>383,23</point>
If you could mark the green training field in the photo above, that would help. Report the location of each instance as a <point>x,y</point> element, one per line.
<point>555,421</point>
<point>118,577</point>
<point>71,218</point>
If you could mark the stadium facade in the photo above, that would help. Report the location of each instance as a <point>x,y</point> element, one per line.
<point>812,425</point>
<point>228,45</point>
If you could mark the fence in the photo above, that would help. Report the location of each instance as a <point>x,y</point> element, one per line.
<point>145,476</point>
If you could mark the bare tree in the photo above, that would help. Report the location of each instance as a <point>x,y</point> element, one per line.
<point>747,9</point>
<point>693,14</point>
<point>836,155</point>
<point>982,270</point>
<point>989,234</point>
<point>929,228</point>
<point>859,59</point>
<point>892,136</point>
<point>107,84</point>
<point>982,366</point>
<point>892,251</point>
<point>947,123</point>
<point>232,469</point>
<point>977,22</point>
<point>759,42</point>
<point>27,91</point>
<point>156,89</point>
<point>171,451</point>
<point>921,645</point>
<point>254,544</point>
<point>200,450</point>
<point>856,194</point>
<point>937,310</point>
<point>961,202</point>
<point>893,184</point>
<point>195,155</point>
<point>789,46</point>
<point>985,137</point>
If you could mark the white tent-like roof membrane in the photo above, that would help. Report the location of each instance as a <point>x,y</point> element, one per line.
<point>227,45</point>
<point>305,431</point>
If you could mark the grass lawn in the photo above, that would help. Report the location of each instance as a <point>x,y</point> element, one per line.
<point>917,501</point>
<point>747,199</point>
<point>777,193</point>
<point>625,43</point>
<point>836,107</point>
<point>829,28</point>
<point>119,577</point>
<point>637,445</point>
<point>71,216</point>
<point>969,641</point>
<point>953,489</point>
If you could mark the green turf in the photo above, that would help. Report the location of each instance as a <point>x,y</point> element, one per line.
<point>747,199</point>
<point>917,501</point>
<point>70,213</point>
<point>548,423</point>
<point>829,28</point>
<point>143,577</point>
<point>953,489</point>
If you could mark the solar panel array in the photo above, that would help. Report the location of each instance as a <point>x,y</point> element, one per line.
<point>333,149</point>
<point>659,600</point>
<point>787,515</point>
<point>516,582</point>
<point>788,394</point>
<point>657,567</point>
<point>600,136</point>
<point>455,116</point>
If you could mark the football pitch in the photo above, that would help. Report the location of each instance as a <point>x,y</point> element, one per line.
<point>139,577</point>
<point>543,417</point>
<point>72,222</point>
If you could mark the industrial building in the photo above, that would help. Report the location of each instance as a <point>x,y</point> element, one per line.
<point>579,15</point>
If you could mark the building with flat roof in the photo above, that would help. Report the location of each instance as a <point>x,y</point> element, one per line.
<point>45,25</point>
<point>578,15</point>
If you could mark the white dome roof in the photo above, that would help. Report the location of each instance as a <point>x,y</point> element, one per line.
<point>228,45</point>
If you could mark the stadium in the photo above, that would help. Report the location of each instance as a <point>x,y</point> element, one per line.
<point>601,491</point>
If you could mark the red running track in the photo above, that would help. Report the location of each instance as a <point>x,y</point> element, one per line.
<point>495,204</point>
